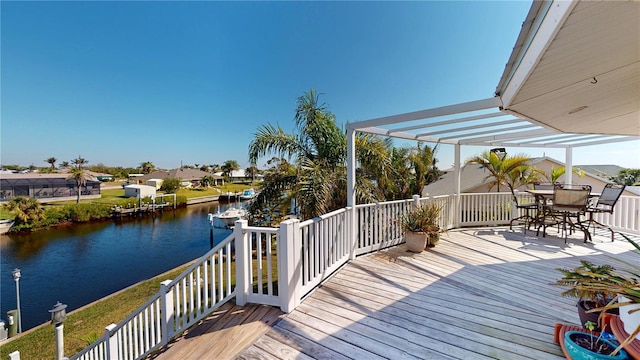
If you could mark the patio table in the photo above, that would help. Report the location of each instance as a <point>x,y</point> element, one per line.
<point>544,198</point>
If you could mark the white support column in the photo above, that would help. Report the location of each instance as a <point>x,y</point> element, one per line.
<point>289,265</point>
<point>243,257</point>
<point>457,175</point>
<point>351,190</point>
<point>568,165</point>
<point>14,355</point>
<point>166,302</point>
<point>112,342</point>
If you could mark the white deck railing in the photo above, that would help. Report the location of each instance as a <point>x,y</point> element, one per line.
<point>200,289</point>
<point>279,266</point>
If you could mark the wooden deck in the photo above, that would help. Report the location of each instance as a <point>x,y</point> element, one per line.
<point>480,294</point>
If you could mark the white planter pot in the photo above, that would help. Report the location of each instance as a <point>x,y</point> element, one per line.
<point>416,241</point>
<point>630,321</point>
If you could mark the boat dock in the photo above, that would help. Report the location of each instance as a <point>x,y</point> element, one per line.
<point>119,211</point>
<point>229,197</point>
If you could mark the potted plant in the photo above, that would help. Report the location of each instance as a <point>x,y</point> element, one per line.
<point>625,286</point>
<point>587,300</point>
<point>420,226</point>
<point>582,345</point>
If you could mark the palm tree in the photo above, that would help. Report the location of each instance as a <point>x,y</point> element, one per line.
<point>52,162</point>
<point>64,165</point>
<point>317,181</point>
<point>556,173</point>
<point>147,167</point>
<point>78,174</point>
<point>251,171</point>
<point>228,167</point>
<point>27,210</point>
<point>511,171</point>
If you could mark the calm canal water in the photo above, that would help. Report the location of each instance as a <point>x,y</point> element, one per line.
<point>83,263</point>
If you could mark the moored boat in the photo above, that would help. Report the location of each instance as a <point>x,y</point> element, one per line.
<point>5,225</point>
<point>248,194</point>
<point>228,217</point>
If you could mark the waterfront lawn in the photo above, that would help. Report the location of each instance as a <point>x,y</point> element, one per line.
<point>5,214</point>
<point>84,326</point>
<point>87,325</point>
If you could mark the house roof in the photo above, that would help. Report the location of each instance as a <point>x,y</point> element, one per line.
<point>604,171</point>
<point>35,175</point>
<point>181,173</point>
<point>573,79</point>
<point>475,175</point>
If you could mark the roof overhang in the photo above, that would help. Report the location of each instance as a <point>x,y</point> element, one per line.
<point>573,79</point>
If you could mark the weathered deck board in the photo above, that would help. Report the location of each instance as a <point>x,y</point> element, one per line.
<point>480,294</point>
<point>223,334</point>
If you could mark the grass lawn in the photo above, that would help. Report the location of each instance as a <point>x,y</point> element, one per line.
<point>116,196</point>
<point>85,326</point>
<point>5,214</point>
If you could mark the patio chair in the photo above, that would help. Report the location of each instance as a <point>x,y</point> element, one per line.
<point>604,204</point>
<point>569,201</point>
<point>528,218</point>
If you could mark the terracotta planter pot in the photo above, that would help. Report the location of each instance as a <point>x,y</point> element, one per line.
<point>416,241</point>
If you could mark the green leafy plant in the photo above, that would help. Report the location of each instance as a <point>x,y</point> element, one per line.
<point>604,282</point>
<point>422,218</point>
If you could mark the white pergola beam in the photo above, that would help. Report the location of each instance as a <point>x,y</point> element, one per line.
<point>475,127</point>
<point>428,113</point>
<point>450,122</point>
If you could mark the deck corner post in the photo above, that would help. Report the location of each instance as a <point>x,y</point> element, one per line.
<point>111,342</point>
<point>289,265</point>
<point>242,262</point>
<point>166,303</point>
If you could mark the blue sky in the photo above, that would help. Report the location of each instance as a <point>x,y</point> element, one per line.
<point>121,83</point>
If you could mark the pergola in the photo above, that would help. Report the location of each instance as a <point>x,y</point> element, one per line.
<point>573,79</point>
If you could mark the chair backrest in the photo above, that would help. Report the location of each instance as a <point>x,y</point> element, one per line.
<point>610,195</point>
<point>572,197</point>
<point>543,186</point>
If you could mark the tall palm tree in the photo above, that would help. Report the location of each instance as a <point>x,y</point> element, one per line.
<point>77,172</point>
<point>64,165</point>
<point>228,167</point>
<point>503,170</point>
<point>147,167</point>
<point>52,162</point>
<point>317,181</point>
<point>251,172</point>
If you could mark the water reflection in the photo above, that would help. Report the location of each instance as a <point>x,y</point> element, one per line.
<point>82,263</point>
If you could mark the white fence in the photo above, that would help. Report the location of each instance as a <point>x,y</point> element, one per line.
<point>279,266</point>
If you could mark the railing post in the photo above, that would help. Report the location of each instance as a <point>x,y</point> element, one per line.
<point>243,257</point>
<point>289,265</point>
<point>112,343</point>
<point>352,232</point>
<point>14,355</point>
<point>166,301</point>
<point>416,199</point>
